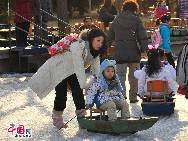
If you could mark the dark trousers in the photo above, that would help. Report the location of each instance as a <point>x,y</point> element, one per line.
<point>170,59</point>
<point>21,36</point>
<point>61,94</point>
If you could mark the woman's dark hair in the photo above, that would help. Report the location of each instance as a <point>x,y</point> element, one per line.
<point>89,35</point>
<point>154,64</point>
<point>165,18</point>
<point>107,3</point>
<point>161,53</point>
<point>130,6</point>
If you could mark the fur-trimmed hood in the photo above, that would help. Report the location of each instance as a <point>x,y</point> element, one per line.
<point>102,80</point>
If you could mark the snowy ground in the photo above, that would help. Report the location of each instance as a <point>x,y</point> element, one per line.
<point>19,105</point>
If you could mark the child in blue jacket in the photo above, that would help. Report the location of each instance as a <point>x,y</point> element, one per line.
<point>165,34</point>
<point>106,92</point>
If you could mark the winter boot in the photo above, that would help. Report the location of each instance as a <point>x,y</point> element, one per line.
<point>57,117</point>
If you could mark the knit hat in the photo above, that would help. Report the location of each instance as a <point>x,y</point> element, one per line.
<point>160,12</point>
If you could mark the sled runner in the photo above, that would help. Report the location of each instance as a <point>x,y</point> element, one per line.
<point>100,124</point>
<point>158,101</point>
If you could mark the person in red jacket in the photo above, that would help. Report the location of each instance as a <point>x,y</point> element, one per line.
<point>23,15</point>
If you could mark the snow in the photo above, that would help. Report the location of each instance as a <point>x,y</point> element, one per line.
<point>19,105</point>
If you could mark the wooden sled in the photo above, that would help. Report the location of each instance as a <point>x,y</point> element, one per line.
<point>100,124</point>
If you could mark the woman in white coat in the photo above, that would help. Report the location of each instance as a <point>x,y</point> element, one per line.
<point>69,68</point>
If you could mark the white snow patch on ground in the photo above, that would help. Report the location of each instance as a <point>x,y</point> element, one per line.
<point>18,104</point>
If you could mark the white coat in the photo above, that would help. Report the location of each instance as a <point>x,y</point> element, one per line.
<point>167,73</point>
<point>59,67</point>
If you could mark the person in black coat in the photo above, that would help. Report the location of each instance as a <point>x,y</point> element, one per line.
<point>129,35</point>
<point>107,12</point>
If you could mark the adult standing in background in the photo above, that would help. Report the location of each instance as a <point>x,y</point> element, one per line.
<point>23,9</point>
<point>40,7</point>
<point>88,24</point>
<point>182,71</point>
<point>63,14</point>
<point>107,12</point>
<point>130,38</point>
<point>162,14</point>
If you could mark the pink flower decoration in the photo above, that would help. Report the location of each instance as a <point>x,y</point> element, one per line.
<point>151,46</point>
<point>52,51</point>
<point>156,46</point>
<point>60,44</point>
<point>71,38</point>
<point>63,45</point>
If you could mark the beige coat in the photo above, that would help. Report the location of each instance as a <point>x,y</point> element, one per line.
<point>59,67</point>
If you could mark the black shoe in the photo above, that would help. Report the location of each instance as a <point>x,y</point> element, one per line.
<point>133,101</point>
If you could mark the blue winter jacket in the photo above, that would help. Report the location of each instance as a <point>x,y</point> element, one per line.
<point>100,92</point>
<point>165,34</point>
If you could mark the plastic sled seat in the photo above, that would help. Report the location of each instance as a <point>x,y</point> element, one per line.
<point>157,90</point>
<point>158,102</point>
